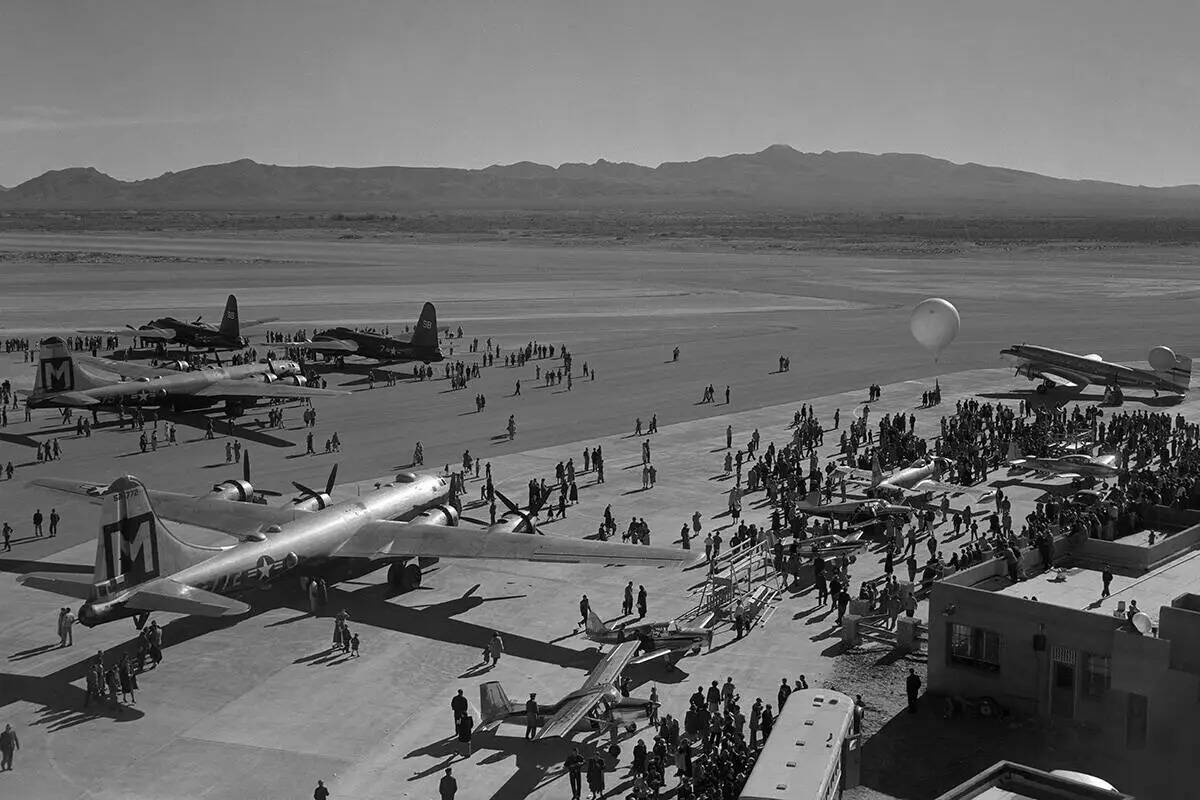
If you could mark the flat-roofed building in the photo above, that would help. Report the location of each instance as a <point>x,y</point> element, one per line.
<point>1008,781</point>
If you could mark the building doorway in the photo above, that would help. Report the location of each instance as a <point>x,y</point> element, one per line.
<point>1062,683</point>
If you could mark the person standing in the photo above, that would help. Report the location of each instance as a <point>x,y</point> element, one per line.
<point>641,602</point>
<point>531,716</point>
<point>912,686</point>
<point>458,706</point>
<point>320,793</point>
<point>9,744</point>
<point>1106,577</point>
<point>755,720</point>
<point>574,768</point>
<point>584,607</point>
<point>496,647</point>
<point>447,786</point>
<point>54,518</point>
<point>65,620</point>
<point>627,603</point>
<point>465,726</point>
<point>37,523</point>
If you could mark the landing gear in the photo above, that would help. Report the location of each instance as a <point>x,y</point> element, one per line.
<point>405,577</point>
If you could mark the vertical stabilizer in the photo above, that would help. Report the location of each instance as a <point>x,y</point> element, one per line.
<point>425,334</point>
<point>134,545</point>
<point>57,372</point>
<point>595,625</point>
<point>876,470</point>
<point>494,704</point>
<point>230,324</point>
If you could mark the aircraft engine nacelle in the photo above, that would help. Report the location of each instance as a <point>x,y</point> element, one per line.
<point>506,524</point>
<point>313,502</point>
<point>1027,371</point>
<point>295,380</point>
<point>179,366</point>
<point>439,515</point>
<point>269,377</point>
<point>234,490</point>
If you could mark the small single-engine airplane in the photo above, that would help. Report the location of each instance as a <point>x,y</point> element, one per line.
<point>141,566</point>
<point>194,335</point>
<point>1077,466</point>
<point>826,545</point>
<point>82,381</point>
<point>920,479</point>
<point>597,703</point>
<point>856,513</point>
<point>668,640</point>
<point>1168,372</point>
<point>341,342</point>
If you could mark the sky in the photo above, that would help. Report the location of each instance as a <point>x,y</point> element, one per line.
<point>1102,89</point>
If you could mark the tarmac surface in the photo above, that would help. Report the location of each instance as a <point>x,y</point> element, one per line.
<point>258,707</point>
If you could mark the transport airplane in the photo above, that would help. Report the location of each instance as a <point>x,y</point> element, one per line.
<point>142,566</point>
<point>195,335</point>
<point>341,342</point>
<point>82,381</point>
<point>1168,372</point>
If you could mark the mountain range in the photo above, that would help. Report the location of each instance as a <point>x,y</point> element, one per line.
<point>778,178</point>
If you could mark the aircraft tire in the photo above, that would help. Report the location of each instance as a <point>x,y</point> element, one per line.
<point>412,577</point>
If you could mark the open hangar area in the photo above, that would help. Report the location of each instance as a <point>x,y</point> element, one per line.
<point>257,706</point>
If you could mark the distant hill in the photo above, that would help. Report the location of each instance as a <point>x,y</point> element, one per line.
<point>779,178</point>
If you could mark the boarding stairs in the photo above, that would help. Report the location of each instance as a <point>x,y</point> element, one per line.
<point>747,573</point>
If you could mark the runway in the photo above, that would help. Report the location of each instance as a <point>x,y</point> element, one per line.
<point>254,708</point>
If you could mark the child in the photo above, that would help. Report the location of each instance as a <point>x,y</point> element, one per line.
<point>354,645</point>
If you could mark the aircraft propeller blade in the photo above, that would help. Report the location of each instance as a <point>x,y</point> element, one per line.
<point>246,477</point>
<point>332,480</point>
<point>526,517</point>
<point>304,490</point>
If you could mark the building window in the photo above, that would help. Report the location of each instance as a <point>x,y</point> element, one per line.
<point>974,647</point>
<point>1098,676</point>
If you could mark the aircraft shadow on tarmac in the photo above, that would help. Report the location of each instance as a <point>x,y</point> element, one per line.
<point>22,566</point>
<point>22,439</point>
<point>1057,398</point>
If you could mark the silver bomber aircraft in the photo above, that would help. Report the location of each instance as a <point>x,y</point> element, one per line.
<point>142,566</point>
<point>1168,371</point>
<point>82,381</point>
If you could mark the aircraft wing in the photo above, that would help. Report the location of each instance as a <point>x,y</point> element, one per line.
<point>1062,377</point>
<point>948,488</point>
<point>613,664</point>
<point>161,334</point>
<point>252,388</point>
<point>389,539</point>
<point>125,368</point>
<point>173,597</point>
<point>646,658</point>
<point>64,583</point>
<point>326,346</point>
<point>569,715</point>
<point>78,399</point>
<point>855,475</point>
<point>250,323</point>
<point>225,516</point>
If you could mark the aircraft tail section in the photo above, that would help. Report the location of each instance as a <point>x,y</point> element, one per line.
<point>494,704</point>
<point>230,324</point>
<point>425,334</point>
<point>134,545</point>
<point>1171,367</point>
<point>595,625</point>
<point>58,373</point>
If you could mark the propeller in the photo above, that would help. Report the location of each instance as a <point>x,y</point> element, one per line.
<point>306,492</point>
<point>246,477</point>
<point>526,517</point>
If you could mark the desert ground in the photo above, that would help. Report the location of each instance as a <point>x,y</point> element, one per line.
<point>256,708</point>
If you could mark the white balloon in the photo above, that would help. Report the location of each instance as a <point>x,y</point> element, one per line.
<point>934,324</point>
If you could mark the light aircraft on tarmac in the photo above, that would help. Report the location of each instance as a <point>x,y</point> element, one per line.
<point>1078,466</point>
<point>341,342</point>
<point>196,335</point>
<point>82,381</point>
<point>856,513</point>
<point>1168,372</point>
<point>597,703</point>
<point>922,478</point>
<point>142,566</point>
<point>668,640</point>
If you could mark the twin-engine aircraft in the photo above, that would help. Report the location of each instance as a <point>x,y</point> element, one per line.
<point>142,566</point>
<point>194,335</point>
<point>668,640</point>
<point>597,703</point>
<point>855,513</point>
<point>83,381</point>
<point>341,342</point>
<point>1168,372</point>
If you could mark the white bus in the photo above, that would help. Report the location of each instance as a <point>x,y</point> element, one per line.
<point>811,753</point>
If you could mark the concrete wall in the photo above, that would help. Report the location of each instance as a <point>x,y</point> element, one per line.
<point>1180,623</point>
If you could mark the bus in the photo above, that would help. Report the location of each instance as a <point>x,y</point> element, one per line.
<point>811,753</point>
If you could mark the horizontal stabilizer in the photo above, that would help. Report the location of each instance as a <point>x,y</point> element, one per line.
<point>68,486</point>
<point>173,597</point>
<point>78,399</point>
<point>64,583</point>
